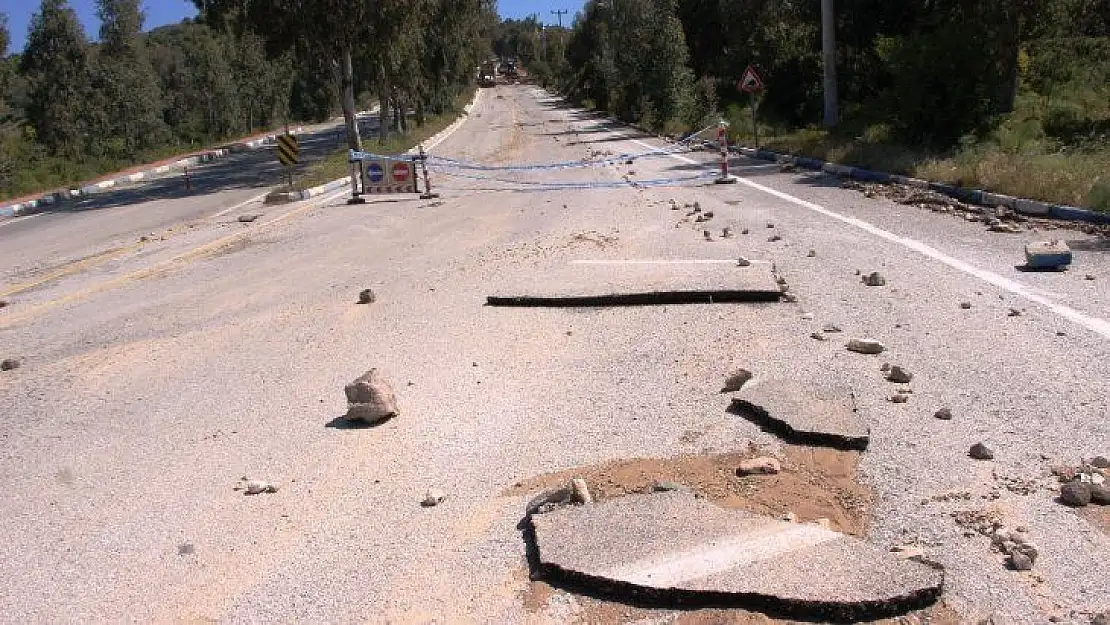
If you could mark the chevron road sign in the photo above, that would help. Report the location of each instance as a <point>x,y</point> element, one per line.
<point>287,150</point>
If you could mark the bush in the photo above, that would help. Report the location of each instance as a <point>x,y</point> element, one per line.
<point>1099,197</point>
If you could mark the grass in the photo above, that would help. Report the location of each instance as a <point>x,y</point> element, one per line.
<point>334,166</point>
<point>1043,151</point>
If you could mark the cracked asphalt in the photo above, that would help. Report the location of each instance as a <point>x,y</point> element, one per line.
<point>156,377</point>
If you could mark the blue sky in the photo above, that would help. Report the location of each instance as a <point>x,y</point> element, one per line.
<point>159,12</point>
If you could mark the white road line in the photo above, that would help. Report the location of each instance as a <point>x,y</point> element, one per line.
<point>1095,324</point>
<point>722,554</point>
<point>692,261</point>
<point>241,204</point>
<point>18,219</point>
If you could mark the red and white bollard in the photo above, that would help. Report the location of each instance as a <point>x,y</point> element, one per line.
<point>722,140</point>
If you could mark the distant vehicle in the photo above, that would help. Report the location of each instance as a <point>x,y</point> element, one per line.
<point>487,75</point>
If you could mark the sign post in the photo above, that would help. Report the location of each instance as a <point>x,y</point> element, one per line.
<point>722,140</point>
<point>752,83</point>
<point>288,150</point>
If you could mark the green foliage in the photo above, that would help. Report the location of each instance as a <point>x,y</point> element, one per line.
<point>1099,197</point>
<point>56,66</point>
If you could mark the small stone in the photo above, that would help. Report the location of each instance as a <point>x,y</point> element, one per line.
<point>759,466</point>
<point>726,233</point>
<point>744,231</point>
<point>628,162</point>
<point>830,329</point>
<point>965,305</point>
<point>186,549</point>
<point>790,517</point>
<point>548,500</point>
<point>770,225</point>
<point>708,235</point>
<point>866,346</point>
<point>898,375</point>
<point>709,214</point>
<point>144,239</point>
<point>899,398</point>
<point>667,487</point>
<point>979,451</point>
<point>818,336</point>
<point>1099,494</point>
<point>774,238</point>
<point>3,303</point>
<point>433,497</point>
<point>736,380</point>
<point>8,364</point>
<point>1089,276</point>
<point>944,414</point>
<point>246,219</point>
<point>366,296</point>
<point>697,207</point>
<point>1014,312</point>
<point>1065,473</point>
<point>1020,561</point>
<point>1100,462</point>
<point>807,316</point>
<point>874,279</point>
<point>885,368</point>
<point>370,398</point>
<point>858,272</point>
<point>908,552</point>
<point>255,487</point>
<point>743,262</point>
<point>1101,619</point>
<point>812,254</point>
<point>789,297</point>
<point>822,522</point>
<point>580,492</point>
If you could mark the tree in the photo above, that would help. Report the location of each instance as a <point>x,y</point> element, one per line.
<point>55,63</point>
<point>126,96</point>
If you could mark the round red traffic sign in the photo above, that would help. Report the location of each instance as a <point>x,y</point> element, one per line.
<point>400,172</point>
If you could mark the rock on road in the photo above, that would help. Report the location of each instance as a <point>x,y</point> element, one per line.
<point>151,383</point>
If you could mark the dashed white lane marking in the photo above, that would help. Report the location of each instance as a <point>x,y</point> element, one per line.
<point>722,554</point>
<point>1095,324</point>
<point>691,261</point>
<point>241,204</point>
<point>15,220</point>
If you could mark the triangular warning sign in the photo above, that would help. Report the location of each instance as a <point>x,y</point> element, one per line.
<point>751,82</point>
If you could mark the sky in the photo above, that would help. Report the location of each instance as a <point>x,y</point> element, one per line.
<point>161,12</point>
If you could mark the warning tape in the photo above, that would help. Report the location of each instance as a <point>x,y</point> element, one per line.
<point>570,184</point>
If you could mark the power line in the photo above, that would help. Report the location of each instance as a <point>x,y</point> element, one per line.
<point>560,13</point>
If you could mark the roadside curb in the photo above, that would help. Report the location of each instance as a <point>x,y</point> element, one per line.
<point>42,203</point>
<point>430,143</point>
<point>1032,208</point>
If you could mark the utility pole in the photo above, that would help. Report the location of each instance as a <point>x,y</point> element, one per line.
<point>560,15</point>
<point>828,45</point>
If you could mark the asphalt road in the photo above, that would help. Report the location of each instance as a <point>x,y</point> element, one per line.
<point>153,380</point>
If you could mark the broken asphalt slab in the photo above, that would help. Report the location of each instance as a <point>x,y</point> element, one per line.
<point>677,550</point>
<point>641,283</point>
<point>804,414</point>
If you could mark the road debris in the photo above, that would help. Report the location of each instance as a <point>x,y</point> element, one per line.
<point>764,465</point>
<point>708,235</point>
<point>367,296</point>
<point>774,238</point>
<point>944,414</point>
<point>818,336</point>
<point>708,215</point>
<point>3,303</point>
<point>743,262</point>
<point>246,219</point>
<point>806,414</point>
<point>874,279</point>
<point>370,398</point>
<point>898,398</point>
<point>866,346</point>
<point>965,305</point>
<point>808,316</point>
<point>549,500</point>
<point>1075,494</point>
<point>433,498</point>
<point>736,380</point>
<point>1053,254</point>
<point>812,254</point>
<point>789,297</point>
<point>898,375</point>
<point>8,364</point>
<point>770,225</point>
<point>726,233</point>
<point>979,451</point>
<point>1014,312</point>
<point>667,487</point>
<point>255,487</point>
<point>744,231</point>
<point>580,492</point>
<point>1089,277</point>
<point>830,329</point>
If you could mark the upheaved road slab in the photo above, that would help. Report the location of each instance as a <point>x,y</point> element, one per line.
<point>675,549</point>
<point>637,283</point>
<point>805,414</point>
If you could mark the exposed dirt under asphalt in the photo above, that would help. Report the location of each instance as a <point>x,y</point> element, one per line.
<point>814,483</point>
<point>152,381</point>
